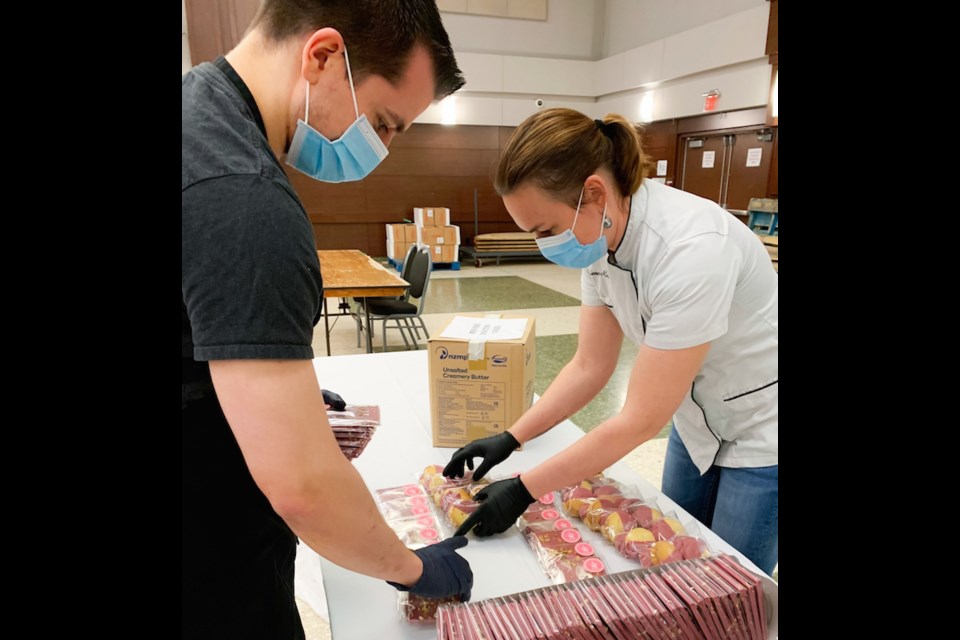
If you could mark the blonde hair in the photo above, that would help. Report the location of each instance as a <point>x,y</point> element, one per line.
<point>558,149</point>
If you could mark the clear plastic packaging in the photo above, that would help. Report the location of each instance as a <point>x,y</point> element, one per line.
<point>355,415</point>
<point>667,527</point>
<point>414,608</point>
<point>754,594</point>
<point>704,599</point>
<point>353,428</point>
<point>694,601</point>
<point>419,532</point>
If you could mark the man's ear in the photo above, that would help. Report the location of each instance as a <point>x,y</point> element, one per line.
<point>320,47</point>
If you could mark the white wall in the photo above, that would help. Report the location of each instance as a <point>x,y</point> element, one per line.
<point>632,23</point>
<point>726,54</point>
<point>741,86</point>
<point>573,29</point>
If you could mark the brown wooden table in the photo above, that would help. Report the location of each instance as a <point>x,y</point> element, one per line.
<point>353,274</point>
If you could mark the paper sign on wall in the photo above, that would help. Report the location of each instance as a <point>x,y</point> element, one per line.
<point>753,157</point>
<point>708,157</point>
<point>661,167</point>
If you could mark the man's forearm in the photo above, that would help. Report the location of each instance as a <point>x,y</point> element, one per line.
<point>276,411</point>
<point>339,520</point>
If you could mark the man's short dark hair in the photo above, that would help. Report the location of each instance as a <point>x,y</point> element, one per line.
<point>379,34</point>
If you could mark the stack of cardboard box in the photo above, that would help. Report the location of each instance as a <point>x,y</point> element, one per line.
<point>435,232</point>
<point>432,230</point>
<point>399,239</point>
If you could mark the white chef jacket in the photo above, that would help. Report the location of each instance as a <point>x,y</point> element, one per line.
<point>686,273</point>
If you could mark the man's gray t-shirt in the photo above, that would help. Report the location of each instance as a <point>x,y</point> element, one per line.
<point>251,285</point>
<point>250,289</point>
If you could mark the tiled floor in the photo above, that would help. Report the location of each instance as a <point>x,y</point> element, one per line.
<point>546,291</point>
<point>549,293</point>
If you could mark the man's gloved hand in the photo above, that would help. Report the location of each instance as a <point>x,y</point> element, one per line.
<point>445,572</point>
<point>334,400</point>
<point>501,503</point>
<point>493,450</point>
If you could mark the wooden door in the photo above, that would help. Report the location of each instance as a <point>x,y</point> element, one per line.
<point>702,167</point>
<point>748,170</point>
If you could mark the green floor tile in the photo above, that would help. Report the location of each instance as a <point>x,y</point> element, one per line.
<point>553,352</point>
<point>487,294</point>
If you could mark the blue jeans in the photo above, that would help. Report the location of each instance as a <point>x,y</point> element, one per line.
<point>739,505</point>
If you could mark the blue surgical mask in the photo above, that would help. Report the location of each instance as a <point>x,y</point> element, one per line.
<point>565,250</point>
<point>349,158</point>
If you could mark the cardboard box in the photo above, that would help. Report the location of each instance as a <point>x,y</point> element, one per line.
<point>431,216</point>
<point>443,253</point>
<point>395,232</point>
<point>402,233</point>
<point>477,397</point>
<point>430,236</point>
<point>398,250</point>
<point>451,235</point>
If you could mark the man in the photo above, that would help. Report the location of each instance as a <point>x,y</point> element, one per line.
<point>329,82</point>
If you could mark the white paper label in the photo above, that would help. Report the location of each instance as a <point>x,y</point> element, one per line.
<point>708,157</point>
<point>754,156</point>
<point>661,167</point>
<point>463,328</point>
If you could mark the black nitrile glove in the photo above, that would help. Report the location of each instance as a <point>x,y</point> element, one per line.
<point>445,572</point>
<point>493,450</point>
<point>501,503</point>
<point>334,400</point>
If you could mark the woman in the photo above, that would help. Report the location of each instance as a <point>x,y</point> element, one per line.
<point>688,284</point>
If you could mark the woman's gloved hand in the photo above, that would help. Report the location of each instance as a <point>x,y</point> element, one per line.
<point>445,572</point>
<point>501,503</point>
<point>493,450</point>
<point>333,400</point>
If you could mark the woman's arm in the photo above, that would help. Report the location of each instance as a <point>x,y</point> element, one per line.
<point>581,379</point>
<point>658,383</point>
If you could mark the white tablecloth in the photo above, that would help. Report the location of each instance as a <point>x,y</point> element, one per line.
<point>363,608</point>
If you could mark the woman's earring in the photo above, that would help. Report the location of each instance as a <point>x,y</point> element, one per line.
<point>607,222</point>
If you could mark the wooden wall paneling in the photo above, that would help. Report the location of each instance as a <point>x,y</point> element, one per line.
<point>505,133</point>
<point>412,161</point>
<point>344,236</point>
<point>660,143</point>
<point>429,165</point>
<point>439,136</point>
<point>772,28</point>
<point>214,27</point>
<point>327,202</point>
<point>376,239</point>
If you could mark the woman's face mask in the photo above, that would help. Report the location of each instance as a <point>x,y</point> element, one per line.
<point>565,250</point>
<point>349,158</point>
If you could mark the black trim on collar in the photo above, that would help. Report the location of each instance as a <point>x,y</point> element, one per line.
<point>612,253</point>
<point>241,87</point>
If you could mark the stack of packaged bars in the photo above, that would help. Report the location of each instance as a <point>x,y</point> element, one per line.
<point>353,427</point>
<point>682,591</point>
<point>431,230</point>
